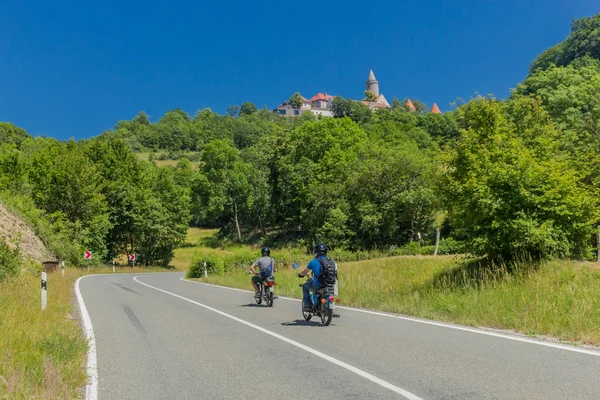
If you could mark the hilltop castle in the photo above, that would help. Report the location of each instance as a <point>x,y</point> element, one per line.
<point>322,103</point>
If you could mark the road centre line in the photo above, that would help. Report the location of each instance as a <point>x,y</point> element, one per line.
<point>333,360</point>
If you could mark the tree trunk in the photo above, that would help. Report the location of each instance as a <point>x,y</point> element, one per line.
<point>437,241</point>
<point>237,223</point>
<point>262,227</point>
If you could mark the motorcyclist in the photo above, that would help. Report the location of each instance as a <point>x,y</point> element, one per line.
<point>314,265</point>
<point>266,268</point>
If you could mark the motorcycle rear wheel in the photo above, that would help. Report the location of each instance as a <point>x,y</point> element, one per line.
<point>326,315</point>
<point>269,299</point>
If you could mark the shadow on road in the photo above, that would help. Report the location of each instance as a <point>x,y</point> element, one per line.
<point>252,305</point>
<point>301,322</point>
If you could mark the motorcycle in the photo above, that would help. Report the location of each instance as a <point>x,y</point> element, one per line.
<point>266,292</point>
<point>323,304</point>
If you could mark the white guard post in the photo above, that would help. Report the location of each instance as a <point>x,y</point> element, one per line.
<point>43,290</point>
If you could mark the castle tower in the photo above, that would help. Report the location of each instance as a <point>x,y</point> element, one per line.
<point>372,84</point>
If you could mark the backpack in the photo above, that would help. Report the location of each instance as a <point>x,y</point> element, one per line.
<point>267,272</point>
<point>328,274</point>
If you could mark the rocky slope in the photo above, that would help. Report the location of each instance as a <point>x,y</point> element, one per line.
<point>31,246</point>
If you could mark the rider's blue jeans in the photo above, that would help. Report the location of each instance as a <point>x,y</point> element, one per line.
<point>306,289</point>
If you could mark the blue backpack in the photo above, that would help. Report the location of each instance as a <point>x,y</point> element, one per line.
<point>267,272</point>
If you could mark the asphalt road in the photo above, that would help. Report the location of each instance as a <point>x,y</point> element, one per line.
<point>160,337</point>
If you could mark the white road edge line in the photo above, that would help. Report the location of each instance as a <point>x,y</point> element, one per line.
<point>91,390</point>
<point>439,324</point>
<point>335,361</point>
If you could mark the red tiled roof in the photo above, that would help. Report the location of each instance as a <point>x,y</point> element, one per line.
<point>410,105</point>
<point>435,109</point>
<point>321,96</point>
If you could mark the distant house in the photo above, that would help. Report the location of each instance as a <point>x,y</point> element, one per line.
<point>319,104</point>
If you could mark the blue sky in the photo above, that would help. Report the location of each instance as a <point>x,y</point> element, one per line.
<point>69,69</point>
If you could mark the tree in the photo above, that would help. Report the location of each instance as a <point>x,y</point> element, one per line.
<point>443,127</point>
<point>583,41</point>
<point>233,111</point>
<point>296,101</point>
<point>370,96</point>
<point>11,134</point>
<point>247,108</point>
<point>396,103</point>
<point>355,110</point>
<point>510,189</point>
<point>142,118</point>
<point>226,187</point>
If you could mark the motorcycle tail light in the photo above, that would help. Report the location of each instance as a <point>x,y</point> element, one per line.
<point>331,299</point>
<point>271,284</point>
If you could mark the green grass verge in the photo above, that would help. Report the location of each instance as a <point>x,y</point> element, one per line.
<point>43,353</point>
<point>559,299</point>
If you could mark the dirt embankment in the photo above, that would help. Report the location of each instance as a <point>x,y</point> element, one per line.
<point>30,245</point>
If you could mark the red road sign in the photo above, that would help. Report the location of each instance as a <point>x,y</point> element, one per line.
<point>87,255</point>
<point>132,257</point>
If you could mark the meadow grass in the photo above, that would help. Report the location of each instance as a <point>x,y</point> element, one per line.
<point>144,156</point>
<point>560,298</point>
<point>43,353</point>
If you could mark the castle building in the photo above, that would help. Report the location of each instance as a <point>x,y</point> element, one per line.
<point>373,87</point>
<point>321,104</point>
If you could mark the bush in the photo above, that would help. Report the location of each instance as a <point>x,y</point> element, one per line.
<point>214,266</point>
<point>10,261</point>
<point>451,246</point>
<point>239,259</point>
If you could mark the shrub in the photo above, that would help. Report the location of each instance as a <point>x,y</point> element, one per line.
<point>214,266</point>
<point>450,246</point>
<point>10,261</point>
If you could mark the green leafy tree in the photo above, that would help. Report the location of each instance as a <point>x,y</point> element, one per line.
<point>355,110</point>
<point>233,111</point>
<point>296,100</point>
<point>510,189</point>
<point>583,41</point>
<point>247,108</point>
<point>11,134</point>
<point>370,96</point>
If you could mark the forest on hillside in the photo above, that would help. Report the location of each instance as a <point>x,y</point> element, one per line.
<point>498,178</point>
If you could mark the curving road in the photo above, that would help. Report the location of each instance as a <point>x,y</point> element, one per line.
<point>160,337</point>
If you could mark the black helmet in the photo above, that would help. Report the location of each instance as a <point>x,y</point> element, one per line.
<point>265,251</point>
<point>320,249</point>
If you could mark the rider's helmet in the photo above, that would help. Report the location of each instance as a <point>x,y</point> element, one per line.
<point>265,251</point>
<point>320,249</point>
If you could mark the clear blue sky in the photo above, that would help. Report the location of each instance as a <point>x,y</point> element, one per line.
<point>69,69</point>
